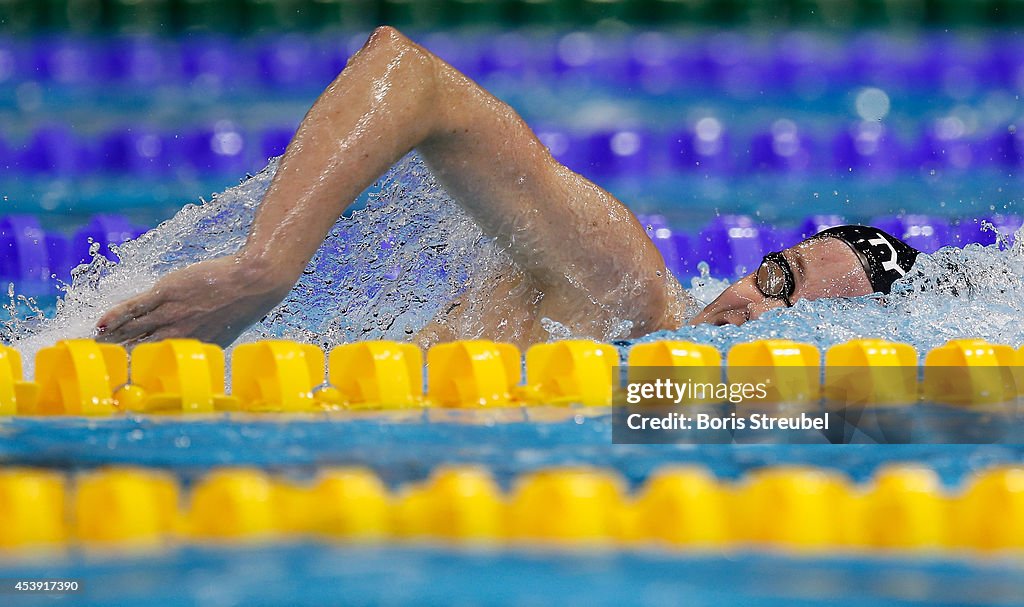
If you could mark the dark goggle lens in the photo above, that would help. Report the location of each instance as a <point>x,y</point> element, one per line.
<point>771,279</point>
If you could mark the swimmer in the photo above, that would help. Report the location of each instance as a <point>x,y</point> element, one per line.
<point>581,257</point>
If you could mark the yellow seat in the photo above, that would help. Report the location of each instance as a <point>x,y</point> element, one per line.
<point>457,503</point>
<point>79,376</point>
<point>351,504</point>
<point>575,505</point>
<point>571,371</point>
<point>675,354</point>
<point>277,375</point>
<point>176,376</point>
<point>789,371</point>
<point>871,372</point>
<point>680,361</point>
<point>796,507</point>
<point>124,505</point>
<point>905,509</point>
<point>377,374</point>
<point>16,395</point>
<point>1018,376</point>
<point>234,503</point>
<point>32,508</point>
<point>990,513</point>
<point>472,373</point>
<point>970,372</point>
<point>683,506</point>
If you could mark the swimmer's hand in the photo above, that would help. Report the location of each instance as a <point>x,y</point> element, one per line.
<point>213,301</point>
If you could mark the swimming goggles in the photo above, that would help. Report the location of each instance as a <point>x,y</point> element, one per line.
<point>774,278</point>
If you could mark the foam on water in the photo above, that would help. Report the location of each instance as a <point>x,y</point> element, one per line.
<point>382,273</point>
<point>385,272</point>
<point>954,293</point>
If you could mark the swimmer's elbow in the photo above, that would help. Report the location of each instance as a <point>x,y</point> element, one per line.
<point>388,41</point>
<point>386,36</point>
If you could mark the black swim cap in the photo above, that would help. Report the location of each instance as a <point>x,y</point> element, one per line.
<point>886,258</point>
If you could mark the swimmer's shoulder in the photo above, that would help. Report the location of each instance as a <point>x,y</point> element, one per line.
<point>680,306</point>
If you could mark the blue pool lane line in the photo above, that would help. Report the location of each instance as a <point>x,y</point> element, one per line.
<point>407,449</point>
<point>323,574</point>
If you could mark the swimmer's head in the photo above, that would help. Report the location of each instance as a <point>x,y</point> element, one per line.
<point>846,261</point>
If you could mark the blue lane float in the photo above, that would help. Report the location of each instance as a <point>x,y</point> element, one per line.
<point>782,148</point>
<point>987,230</point>
<point>30,256</point>
<point>735,63</point>
<point>866,147</point>
<point>923,232</point>
<point>732,245</point>
<point>103,231</point>
<point>705,146</point>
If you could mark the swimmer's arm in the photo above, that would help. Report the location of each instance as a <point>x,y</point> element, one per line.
<point>578,244</point>
<point>572,237</point>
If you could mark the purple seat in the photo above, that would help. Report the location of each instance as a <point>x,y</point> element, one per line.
<point>658,62</point>
<point>136,150</point>
<point>460,52</point>
<point>212,61</point>
<point>293,60</point>
<point>866,147</point>
<point>703,148</point>
<point>1006,148</point>
<point>8,157</point>
<point>274,141</point>
<point>105,229</point>
<point>971,231</point>
<point>584,57</point>
<point>58,248</point>
<point>144,60</point>
<point>686,261</point>
<point>1005,60</point>
<point>813,224</point>
<point>733,245</point>
<point>782,148</point>
<point>806,64</point>
<point>955,65</point>
<point>23,255</point>
<point>923,232</point>
<point>567,147</point>
<point>511,54</point>
<point>777,238</point>
<point>884,61</point>
<point>68,60</point>
<point>220,149</point>
<point>625,152</point>
<point>55,150</point>
<point>945,145</point>
<point>13,60</point>
<point>735,64</point>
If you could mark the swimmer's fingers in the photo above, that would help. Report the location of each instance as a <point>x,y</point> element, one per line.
<point>129,319</point>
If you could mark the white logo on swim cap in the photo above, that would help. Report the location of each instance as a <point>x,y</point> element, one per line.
<point>891,263</point>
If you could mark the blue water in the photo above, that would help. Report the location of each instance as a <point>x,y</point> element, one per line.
<point>405,446</point>
<point>362,286</point>
<point>324,574</point>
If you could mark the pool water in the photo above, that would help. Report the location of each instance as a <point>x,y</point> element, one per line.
<point>761,143</point>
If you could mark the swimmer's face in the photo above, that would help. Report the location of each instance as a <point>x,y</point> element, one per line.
<point>821,267</point>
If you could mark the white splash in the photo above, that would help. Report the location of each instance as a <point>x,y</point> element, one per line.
<point>380,274</point>
<point>385,272</point>
<point>974,292</point>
